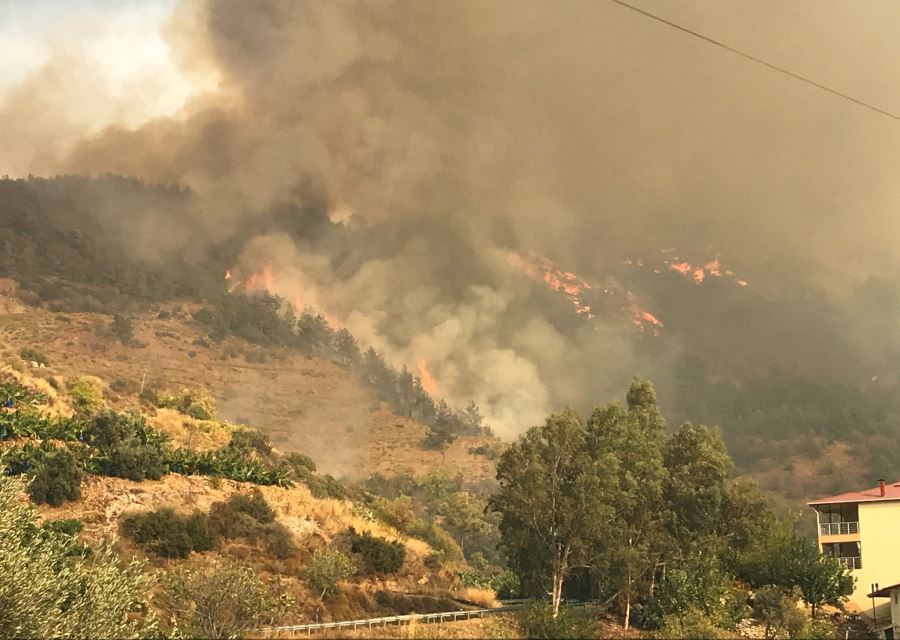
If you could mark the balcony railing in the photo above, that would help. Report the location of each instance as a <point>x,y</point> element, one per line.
<point>852,562</point>
<point>838,528</point>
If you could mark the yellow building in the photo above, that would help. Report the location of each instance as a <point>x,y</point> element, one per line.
<point>861,529</point>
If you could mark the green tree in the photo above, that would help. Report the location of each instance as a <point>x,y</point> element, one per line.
<point>46,593</point>
<point>777,609</point>
<point>629,553</point>
<point>553,500</point>
<point>698,467</point>
<point>788,560</point>
<point>695,584</point>
<point>326,568</point>
<point>346,348</point>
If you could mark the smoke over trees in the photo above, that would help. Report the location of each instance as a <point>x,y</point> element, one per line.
<point>385,158</point>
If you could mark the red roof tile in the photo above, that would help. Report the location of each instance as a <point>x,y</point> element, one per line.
<point>891,492</point>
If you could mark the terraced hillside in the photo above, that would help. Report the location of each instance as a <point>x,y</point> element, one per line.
<point>304,404</point>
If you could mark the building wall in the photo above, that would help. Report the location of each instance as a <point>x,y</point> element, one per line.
<point>879,523</point>
<point>895,611</point>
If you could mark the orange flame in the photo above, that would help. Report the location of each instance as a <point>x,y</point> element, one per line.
<point>428,382</point>
<point>541,269</point>
<point>641,318</point>
<point>698,273</point>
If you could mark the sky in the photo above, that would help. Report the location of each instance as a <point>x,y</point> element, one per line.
<point>121,41</point>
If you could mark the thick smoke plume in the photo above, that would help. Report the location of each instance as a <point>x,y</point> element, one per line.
<point>441,136</point>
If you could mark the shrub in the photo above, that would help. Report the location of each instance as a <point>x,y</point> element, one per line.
<point>127,447</point>
<point>278,540</point>
<point>325,487</point>
<point>378,554</point>
<point>537,621</point>
<point>122,328</point>
<point>326,568</point>
<point>87,396</point>
<point>241,515</point>
<point>68,526</point>
<point>121,385</point>
<point>197,403</point>
<point>31,355</point>
<point>47,594</point>
<point>251,517</point>
<point>11,390</point>
<point>301,464</point>
<point>254,505</point>
<point>247,440</point>
<point>168,534</point>
<point>66,531</point>
<point>57,478</point>
<point>219,600</point>
<point>691,623</point>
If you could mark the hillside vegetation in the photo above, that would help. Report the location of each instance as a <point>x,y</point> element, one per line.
<point>200,497</point>
<point>159,312</point>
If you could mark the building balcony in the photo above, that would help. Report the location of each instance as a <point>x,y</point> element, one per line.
<point>838,528</point>
<point>851,562</point>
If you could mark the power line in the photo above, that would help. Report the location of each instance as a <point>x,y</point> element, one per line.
<point>774,67</point>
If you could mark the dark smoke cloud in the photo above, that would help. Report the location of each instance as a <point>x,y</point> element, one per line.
<point>457,131</point>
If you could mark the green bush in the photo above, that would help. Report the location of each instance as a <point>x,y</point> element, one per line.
<point>326,568</point>
<point>68,526</point>
<point>125,447</point>
<point>325,487</point>
<point>46,593</point>
<point>219,600</point>
<point>87,396</point>
<point>32,355</point>
<point>301,464</point>
<point>254,505</point>
<point>251,517</point>
<point>241,515</point>
<point>168,534</point>
<point>65,531</point>
<point>537,621</point>
<point>12,389</point>
<point>378,554</point>
<point>57,478</point>
<point>697,584</point>
<point>197,403</point>
<point>278,540</point>
<point>247,440</point>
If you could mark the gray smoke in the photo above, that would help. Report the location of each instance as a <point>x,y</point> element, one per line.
<point>457,131</point>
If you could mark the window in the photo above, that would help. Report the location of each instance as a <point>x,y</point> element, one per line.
<point>844,512</point>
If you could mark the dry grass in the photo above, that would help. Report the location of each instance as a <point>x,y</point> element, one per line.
<point>304,404</point>
<point>484,598</point>
<point>190,433</point>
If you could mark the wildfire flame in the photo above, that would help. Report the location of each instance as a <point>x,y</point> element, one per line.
<point>263,280</point>
<point>574,287</point>
<point>544,270</point>
<point>641,318</point>
<point>428,382</point>
<point>698,272</point>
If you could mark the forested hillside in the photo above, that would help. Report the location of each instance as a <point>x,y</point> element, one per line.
<point>823,419</point>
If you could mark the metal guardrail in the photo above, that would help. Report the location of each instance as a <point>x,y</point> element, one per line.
<point>422,618</point>
<point>853,562</point>
<point>838,528</point>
